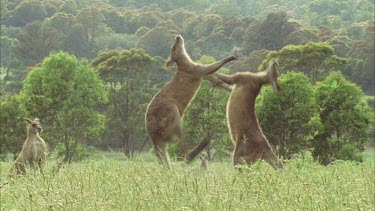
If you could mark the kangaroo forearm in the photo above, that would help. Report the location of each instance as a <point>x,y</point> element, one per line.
<point>215,81</point>
<point>225,78</point>
<point>216,66</point>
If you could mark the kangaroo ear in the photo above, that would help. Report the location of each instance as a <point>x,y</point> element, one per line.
<point>36,119</point>
<point>169,62</point>
<point>27,120</point>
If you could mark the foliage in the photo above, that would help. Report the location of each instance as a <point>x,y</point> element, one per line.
<point>313,59</point>
<point>31,30</point>
<point>129,76</point>
<point>249,63</point>
<point>346,118</point>
<point>92,21</point>
<point>226,8</point>
<point>13,128</point>
<point>27,12</point>
<point>205,116</point>
<point>12,76</point>
<point>80,152</point>
<point>285,116</point>
<point>5,49</point>
<point>63,92</point>
<point>270,33</point>
<point>157,41</point>
<point>117,41</point>
<point>35,42</point>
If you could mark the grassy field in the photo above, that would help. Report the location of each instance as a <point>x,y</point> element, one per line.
<point>112,183</point>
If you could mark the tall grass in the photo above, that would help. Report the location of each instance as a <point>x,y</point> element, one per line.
<point>114,184</point>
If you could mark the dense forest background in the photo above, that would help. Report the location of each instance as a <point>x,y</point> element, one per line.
<point>125,43</point>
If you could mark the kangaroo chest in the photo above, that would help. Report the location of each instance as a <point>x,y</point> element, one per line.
<point>34,147</point>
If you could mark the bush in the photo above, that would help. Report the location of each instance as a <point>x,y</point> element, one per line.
<point>346,118</point>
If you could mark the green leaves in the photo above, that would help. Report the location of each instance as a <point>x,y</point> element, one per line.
<point>333,117</point>
<point>345,116</point>
<point>63,92</point>
<point>285,116</point>
<point>313,59</point>
<point>127,75</point>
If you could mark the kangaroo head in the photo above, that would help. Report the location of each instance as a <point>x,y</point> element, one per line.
<point>34,125</point>
<point>178,51</point>
<point>272,73</point>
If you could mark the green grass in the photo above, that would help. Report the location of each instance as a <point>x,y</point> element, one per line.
<point>115,184</point>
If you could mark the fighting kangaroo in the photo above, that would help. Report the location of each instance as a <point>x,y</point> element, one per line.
<point>33,150</point>
<point>164,113</point>
<point>250,144</point>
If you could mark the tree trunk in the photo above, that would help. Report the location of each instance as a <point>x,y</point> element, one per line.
<point>125,140</point>
<point>67,151</point>
<point>208,150</point>
<point>201,145</point>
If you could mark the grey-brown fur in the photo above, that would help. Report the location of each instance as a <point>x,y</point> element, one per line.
<point>33,150</point>
<point>250,144</point>
<point>164,113</point>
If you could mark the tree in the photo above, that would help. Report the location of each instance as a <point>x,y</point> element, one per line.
<point>117,41</point>
<point>5,47</point>
<point>27,12</point>
<point>345,117</point>
<point>226,8</point>
<point>361,64</point>
<point>285,116</point>
<point>205,117</point>
<point>180,16</point>
<point>313,59</point>
<point>218,45</point>
<point>200,26</point>
<point>249,63</point>
<point>114,19</point>
<point>270,33</point>
<point>73,35</point>
<point>15,72</point>
<point>69,7</point>
<point>35,42</point>
<point>331,13</point>
<point>157,41</point>
<point>127,75</point>
<point>64,92</point>
<point>148,19</point>
<point>12,130</point>
<point>93,21</point>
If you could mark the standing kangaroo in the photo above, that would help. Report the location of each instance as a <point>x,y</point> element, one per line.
<point>164,113</point>
<point>33,150</point>
<point>250,144</point>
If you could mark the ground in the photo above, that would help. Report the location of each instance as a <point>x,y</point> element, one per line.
<point>110,182</point>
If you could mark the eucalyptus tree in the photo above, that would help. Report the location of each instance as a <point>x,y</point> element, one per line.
<point>130,77</point>
<point>64,92</point>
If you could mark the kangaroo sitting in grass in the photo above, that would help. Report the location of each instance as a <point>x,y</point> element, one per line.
<point>250,144</point>
<point>33,150</point>
<point>164,113</point>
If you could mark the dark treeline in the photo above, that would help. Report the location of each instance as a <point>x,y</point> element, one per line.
<point>126,43</point>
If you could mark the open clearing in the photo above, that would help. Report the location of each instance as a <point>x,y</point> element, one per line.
<point>140,184</point>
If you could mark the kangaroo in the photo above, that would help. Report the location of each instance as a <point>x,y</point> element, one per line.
<point>33,150</point>
<point>167,107</point>
<point>250,144</point>
<point>204,163</point>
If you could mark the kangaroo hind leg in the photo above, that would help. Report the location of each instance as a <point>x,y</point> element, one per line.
<point>161,152</point>
<point>270,157</point>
